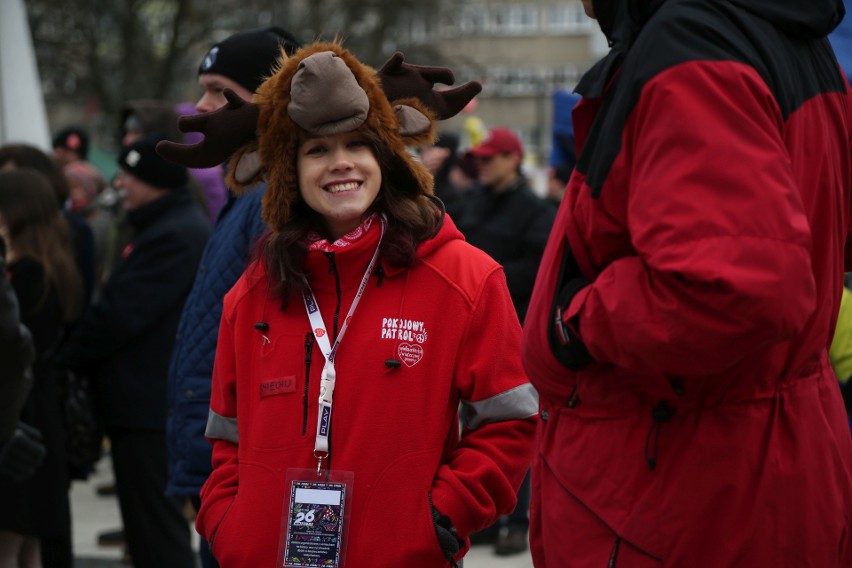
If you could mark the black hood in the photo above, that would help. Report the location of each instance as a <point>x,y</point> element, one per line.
<point>622,20</point>
<point>802,18</point>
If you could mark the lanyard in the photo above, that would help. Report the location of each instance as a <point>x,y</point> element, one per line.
<point>329,373</point>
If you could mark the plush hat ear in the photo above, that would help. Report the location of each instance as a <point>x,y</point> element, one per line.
<point>417,123</point>
<point>411,121</point>
<point>246,169</point>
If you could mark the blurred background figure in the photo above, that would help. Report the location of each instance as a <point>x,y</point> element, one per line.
<point>86,188</point>
<point>21,448</point>
<point>504,218</point>
<point>35,516</point>
<point>13,156</point>
<point>557,180</point>
<point>210,180</point>
<point>71,144</point>
<point>125,339</point>
<point>238,62</point>
<point>441,158</point>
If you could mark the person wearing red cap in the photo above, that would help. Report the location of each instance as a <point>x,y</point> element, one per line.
<point>504,218</point>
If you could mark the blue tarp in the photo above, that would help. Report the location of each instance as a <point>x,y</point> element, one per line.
<point>841,40</point>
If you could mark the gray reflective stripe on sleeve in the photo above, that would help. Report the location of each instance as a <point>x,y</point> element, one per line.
<point>518,403</point>
<point>222,428</point>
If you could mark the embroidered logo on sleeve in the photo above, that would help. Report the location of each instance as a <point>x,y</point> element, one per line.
<point>411,335</point>
<point>281,385</point>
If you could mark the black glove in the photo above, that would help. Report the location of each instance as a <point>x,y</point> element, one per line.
<point>567,346</point>
<point>23,453</point>
<point>446,533</point>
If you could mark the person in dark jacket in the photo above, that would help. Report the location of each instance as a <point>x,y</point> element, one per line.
<point>17,353</point>
<point>35,513</point>
<point>240,63</point>
<point>82,238</point>
<point>125,341</point>
<point>504,218</point>
<point>679,328</point>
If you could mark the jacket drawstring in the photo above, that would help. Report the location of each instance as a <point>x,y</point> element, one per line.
<point>613,557</point>
<point>661,414</point>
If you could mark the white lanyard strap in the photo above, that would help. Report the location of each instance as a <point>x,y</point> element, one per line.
<point>329,373</point>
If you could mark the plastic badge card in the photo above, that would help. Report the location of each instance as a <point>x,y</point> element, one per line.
<point>315,520</point>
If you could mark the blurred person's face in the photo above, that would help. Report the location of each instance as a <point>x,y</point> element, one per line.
<point>130,136</point>
<point>136,192</point>
<point>339,178</point>
<point>64,156</point>
<point>214,86</point>
<point>498,171</point>
<point>80,197</point>
<point>433,157</point>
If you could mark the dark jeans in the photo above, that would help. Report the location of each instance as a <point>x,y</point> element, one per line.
<point>156,531</point>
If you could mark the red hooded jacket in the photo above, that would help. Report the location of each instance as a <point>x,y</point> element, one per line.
<point>449,323</point>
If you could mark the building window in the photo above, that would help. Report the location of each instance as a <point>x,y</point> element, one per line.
<point>521,19</point>
<point>570,18</point>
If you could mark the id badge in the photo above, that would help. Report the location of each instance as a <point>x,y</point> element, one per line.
<point>316,519</point>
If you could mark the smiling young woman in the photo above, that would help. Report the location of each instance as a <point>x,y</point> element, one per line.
<point>346,348</point>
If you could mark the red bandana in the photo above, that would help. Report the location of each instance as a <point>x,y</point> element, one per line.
<point>316,242</point>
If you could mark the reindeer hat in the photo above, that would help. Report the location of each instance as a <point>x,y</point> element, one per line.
<point>319,91</point>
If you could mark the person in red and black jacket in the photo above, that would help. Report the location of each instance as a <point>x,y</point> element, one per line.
<point>679,327</point>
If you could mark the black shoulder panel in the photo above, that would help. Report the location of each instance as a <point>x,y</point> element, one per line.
<point>795,70</point>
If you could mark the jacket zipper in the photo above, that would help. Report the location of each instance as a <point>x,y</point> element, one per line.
<point>332,267</point>
<point>309,348</point>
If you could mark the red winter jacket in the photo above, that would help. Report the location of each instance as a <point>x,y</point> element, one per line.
<point>709,212</point>
<point>449,321</point>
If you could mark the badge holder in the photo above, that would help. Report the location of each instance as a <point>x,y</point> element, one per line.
<point>315,522</point>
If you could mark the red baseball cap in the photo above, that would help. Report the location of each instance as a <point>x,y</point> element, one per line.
<point>500,140</point>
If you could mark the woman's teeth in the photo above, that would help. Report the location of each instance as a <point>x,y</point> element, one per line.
<point>337,188</point>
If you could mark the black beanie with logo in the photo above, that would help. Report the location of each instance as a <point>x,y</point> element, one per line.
<point>141,160</point>
<point>248,57</point>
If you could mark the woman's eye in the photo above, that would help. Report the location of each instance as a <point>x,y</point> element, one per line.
<point>318,149</point>
<point>357,143</point>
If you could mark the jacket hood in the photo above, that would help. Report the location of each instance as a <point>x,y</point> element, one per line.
<point>622,20</point>
<point>619,19</point>
<point>802,18</point>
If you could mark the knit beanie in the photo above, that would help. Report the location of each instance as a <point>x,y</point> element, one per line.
<point>247,57</point>
<point>74,139</point>
<point>141,160</point>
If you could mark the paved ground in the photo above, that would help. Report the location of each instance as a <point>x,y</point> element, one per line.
<point>93,514</point>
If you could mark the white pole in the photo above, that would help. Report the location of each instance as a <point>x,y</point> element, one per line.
<point>23,118</point>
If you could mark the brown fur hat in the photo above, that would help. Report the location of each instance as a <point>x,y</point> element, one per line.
<point>320,90</point>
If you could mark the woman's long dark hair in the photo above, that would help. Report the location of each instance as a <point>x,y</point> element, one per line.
<point>411,219</point>
<point>37,230</point>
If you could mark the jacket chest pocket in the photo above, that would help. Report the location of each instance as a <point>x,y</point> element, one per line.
<point>279,391</point>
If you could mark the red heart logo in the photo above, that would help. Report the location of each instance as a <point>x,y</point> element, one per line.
<point>410,354</point>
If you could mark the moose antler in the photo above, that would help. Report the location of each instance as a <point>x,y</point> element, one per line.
<point>225,130</point>
<point>400,80</point>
